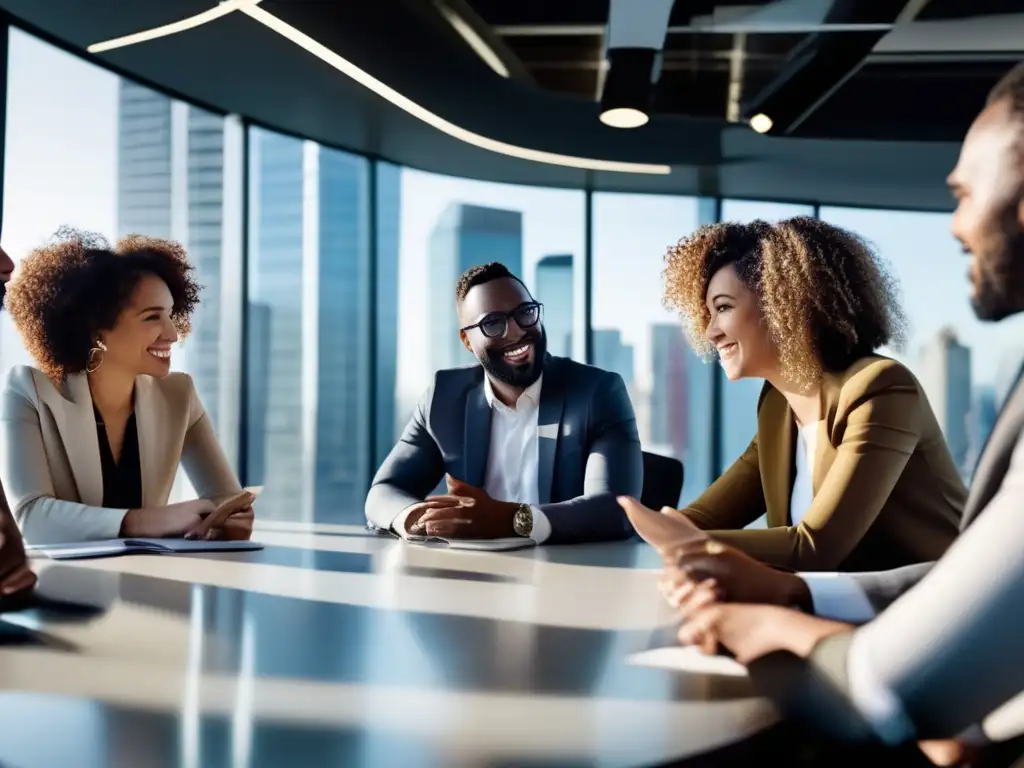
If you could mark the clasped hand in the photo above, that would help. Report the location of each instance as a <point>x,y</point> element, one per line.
<point>700,577</point>
<point>465,512</point>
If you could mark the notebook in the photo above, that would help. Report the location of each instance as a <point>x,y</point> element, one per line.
<point>112,547</point>
<point>476,545</point>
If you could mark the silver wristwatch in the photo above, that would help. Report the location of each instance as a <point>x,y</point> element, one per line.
<point>522,523</point>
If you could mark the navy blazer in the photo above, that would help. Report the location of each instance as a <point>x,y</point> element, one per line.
<point>589,450</point>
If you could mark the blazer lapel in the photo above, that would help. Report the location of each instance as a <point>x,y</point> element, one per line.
<point>995,457</point>
<point>549,423</point>
<point>776,436</point>
<point>76,423</point>
<point>477,438</point>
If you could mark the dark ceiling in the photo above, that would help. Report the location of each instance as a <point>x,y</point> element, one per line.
<point>903,99</point>
<point>720,55</point>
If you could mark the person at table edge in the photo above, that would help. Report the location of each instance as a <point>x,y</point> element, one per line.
<point>529,444</point>
<point>848,460</point>
<point>96,433</point>
<point>942,660</point>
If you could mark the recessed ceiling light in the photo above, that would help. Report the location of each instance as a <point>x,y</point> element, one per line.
<point>761,122</point>
<point>624,117</point>
<point>343,65</point>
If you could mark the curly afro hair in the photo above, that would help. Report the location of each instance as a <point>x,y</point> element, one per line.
<point>827,298</point>
<point>68,290</point>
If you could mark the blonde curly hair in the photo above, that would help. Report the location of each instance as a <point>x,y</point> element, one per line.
<point>826,297</point>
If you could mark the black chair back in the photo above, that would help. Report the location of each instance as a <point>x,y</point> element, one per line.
<point>663,481</point>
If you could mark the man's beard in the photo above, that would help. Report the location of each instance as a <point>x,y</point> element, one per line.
<point>524,374</point>
<point>999,286</point>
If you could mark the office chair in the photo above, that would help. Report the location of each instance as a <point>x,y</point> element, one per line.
<point>663,481</point>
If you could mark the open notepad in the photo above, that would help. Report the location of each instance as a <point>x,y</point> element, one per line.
<point>111,547</point>
<point>476,545</point>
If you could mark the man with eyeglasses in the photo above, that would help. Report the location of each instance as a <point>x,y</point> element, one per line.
<point>530,445</point>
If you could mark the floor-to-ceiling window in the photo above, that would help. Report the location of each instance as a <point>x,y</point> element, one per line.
<point>94,151</point>
<point>431,229</point>
<point>964,365</point>
<point>633,333</point>
<point>309,320</point>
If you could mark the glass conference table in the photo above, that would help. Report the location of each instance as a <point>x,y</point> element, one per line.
<point>333,646</point>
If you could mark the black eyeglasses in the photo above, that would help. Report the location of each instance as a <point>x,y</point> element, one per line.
<point>495,325</point>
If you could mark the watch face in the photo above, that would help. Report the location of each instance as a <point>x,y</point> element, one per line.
<point>522,523</point>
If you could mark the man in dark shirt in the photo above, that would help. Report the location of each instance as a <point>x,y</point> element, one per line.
<point>15,575</point>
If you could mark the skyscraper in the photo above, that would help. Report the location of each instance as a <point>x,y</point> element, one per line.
<point>982,420</point>
<point>554,288</point>
<point>172,184</point>
<point>945,374</point>
<point>611,354</point>
<point>670,416</point>
<point>308,283</point>
<point>389,213</point>
<point>464,236</point>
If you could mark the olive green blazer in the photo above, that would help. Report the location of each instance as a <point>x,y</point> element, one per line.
<point>886,490</point>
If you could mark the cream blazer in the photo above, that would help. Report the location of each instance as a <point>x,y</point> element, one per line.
<point>52,471</point>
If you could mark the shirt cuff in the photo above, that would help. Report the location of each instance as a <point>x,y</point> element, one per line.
<point>879,706</point>
<point>398,524</point>
<point>541,526</point>
<point>837,596</point>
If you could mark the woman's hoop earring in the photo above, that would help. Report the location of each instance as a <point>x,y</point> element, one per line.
<point>92,365</point>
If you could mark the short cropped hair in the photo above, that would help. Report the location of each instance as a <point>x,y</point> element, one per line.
<point>1010,88</point>
<point>68,290</point>
<point>480,274</point>
<point>826,297</point>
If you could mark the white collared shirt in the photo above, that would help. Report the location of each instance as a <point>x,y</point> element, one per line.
<point>513,460</point>
<point>513,457</point>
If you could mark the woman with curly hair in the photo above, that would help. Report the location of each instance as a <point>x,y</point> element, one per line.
<point>848,462</point>
<point>95,434</point>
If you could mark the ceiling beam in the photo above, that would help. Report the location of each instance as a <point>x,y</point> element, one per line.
<point>482,39</point>
<point>720,28</point>
<point>819,66</point>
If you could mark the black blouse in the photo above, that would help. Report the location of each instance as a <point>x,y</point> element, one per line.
<point>122,480</point>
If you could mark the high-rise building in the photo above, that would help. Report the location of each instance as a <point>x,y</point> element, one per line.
<point>670,416</point>
<point>389,214</point>
<point>611,354</point>
<point>554,289</point>
<point>982,420</point>
<point>172,184</point>
<point>945,374</point>
<point>464,236</point>
<point>308,280</point>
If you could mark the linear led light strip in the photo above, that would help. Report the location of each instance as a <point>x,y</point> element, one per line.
<point>249,7</point>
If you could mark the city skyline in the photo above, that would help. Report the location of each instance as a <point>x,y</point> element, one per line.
<point>63,166</point>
